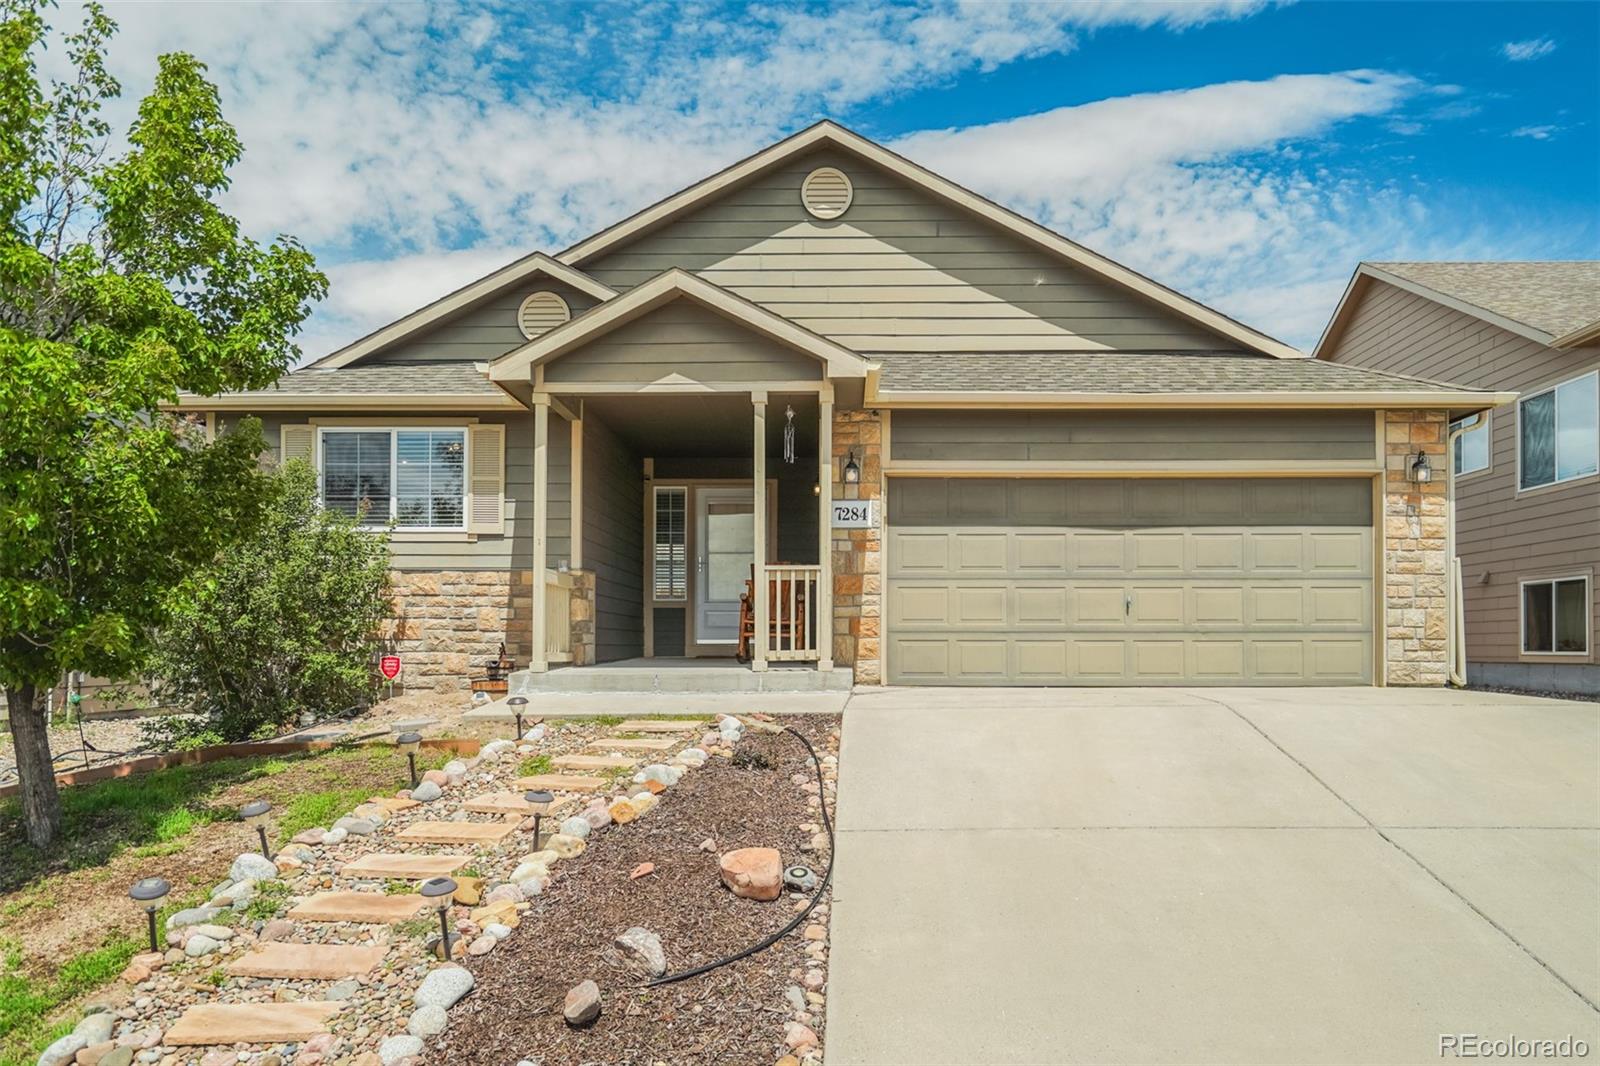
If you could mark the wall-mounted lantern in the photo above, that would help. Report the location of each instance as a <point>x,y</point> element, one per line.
<point>851,474</point>
<point>1420,471</point>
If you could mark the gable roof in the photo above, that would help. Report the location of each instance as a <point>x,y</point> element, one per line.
<point>526,267</point>
<point>1551,302</point>
<point>659,291</point>
<point>832,134</point>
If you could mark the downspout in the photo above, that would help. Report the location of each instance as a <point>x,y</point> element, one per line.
<point>1456,634</point>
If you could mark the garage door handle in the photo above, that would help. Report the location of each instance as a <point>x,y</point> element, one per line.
<point>1127,604</point>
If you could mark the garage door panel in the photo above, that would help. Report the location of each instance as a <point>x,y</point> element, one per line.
<point>1122,581</point>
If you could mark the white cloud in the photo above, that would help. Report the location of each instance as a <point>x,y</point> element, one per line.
<point>1523,51</point>
<point>1537,133</point>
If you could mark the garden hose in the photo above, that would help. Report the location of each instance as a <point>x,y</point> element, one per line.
<point>822,886</point>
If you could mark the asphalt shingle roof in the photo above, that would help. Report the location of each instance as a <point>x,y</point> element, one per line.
<point>423,379</point>
<point>1128,372</point>
<point>1552,297</point>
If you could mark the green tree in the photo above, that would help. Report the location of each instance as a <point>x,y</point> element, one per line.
<point>122,284</point>
<point>284,621</point>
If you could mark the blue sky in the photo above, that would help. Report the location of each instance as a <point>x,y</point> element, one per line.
<point>1246,153</point>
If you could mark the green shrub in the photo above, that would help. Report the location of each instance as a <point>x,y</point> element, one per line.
<point>285,621</point>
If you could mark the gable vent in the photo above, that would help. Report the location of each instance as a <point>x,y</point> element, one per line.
<point>541,312</point>
<point>826,192</point>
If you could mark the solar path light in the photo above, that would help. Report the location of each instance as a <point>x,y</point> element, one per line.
<point>409,743</point>
<point>439,891</point>
<point>149,893</point>
<point>255,813</point>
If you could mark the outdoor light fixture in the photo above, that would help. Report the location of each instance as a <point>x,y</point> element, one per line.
<point>516,703</point>
<point>409,743</point>
<point>439,891</point>
<point>1421,472</point>
<point>538,803</point>
<point>150,892</point>
<point>852,471</point>
<point>256,814</point>
<point>816,488</point>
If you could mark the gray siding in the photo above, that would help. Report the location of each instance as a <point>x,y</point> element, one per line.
<point>899,271</point>
<point>482,332</point>
<point>1502,537</point>
<point>613,540</point>
<point>487,552</point>
<point>683,338</point>
<point>1091,435</point>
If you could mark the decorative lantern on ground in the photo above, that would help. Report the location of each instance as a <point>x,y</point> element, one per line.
<point>409,743</point>
<point>517,703</point>
<point>149,893</point>
<point>255,814</point>
<point>539,805</point>
<point>440,891</point>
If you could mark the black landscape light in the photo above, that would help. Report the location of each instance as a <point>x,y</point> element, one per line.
<point>539,802</point>
<point>517,703</point>
<point>255,813</point>
<point>150,892</point>
<point>439,891</point>
<point>409,743</point>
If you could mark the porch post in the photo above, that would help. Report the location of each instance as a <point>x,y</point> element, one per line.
<point>758,653</point>
<point>537,661</point>
<point>825,532</point>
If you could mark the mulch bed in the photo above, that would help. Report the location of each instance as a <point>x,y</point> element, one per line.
<point>734,1014</point>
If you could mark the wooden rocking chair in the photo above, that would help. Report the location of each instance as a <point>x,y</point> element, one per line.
<point>786,618</point>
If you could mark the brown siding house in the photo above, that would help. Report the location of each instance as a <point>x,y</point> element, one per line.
<point>1527,475</point>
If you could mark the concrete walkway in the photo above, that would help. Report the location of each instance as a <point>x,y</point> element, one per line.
<point>1205,875</point>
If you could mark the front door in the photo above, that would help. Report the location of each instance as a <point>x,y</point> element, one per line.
<point>725,541</point>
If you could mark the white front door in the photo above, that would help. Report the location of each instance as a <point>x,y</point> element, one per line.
<point>725,548</point>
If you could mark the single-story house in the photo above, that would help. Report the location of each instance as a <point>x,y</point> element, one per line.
<point>961,448</point>
<point>1528,472</point>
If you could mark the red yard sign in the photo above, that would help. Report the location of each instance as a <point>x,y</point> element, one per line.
<point>389,666</point>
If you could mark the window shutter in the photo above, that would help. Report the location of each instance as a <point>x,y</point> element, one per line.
<point>297,442</point>
<point>486,505</point>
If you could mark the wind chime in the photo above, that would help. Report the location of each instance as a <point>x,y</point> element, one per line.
<point>788,434</point>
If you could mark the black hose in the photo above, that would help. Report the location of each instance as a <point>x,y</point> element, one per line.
<point>822,886</point>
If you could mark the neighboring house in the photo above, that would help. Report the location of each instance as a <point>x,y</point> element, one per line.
<point>965,450</point>
<point>1528,473</point>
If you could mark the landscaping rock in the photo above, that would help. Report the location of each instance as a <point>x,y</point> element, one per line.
<point>597,817</point>
<point>426,792</point>
<point>252,866</point>
<point>582,1004</point>
<point>438,777</point>
<point>116,1055</point>
<point>693,757</point>
<point>442,987</point>
<point>565,846</point>
<point>533,886</point>
<point>536,733</point>
<point>469,890</point>
<point>644,802</point>
<point>622,812</point>
<point>199,944</point>
<point>644,869</point>
<point>427,1021</point>
<point>504,893</point>
<point>799,1037</point>
<point>309,836</point>
<point>215,932</point>
<point>395,1048</point>
<point>527,869</point>
<point>359,827</point>
<point>277,929</point>
<point>642,951</point>
<point>498,931</point>
<point>482,945</point>
<point>342,990</point>
<point>754,873</point>
<point>667,775</point>
<point>575,827</point>
<point>63,1050</point>
<point>334,836</point>
<point>495,747</point>
<point>95,1028</point>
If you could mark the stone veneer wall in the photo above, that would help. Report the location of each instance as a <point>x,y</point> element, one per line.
<point>582,617</point>
<point>1416,521</point>
<point>858,553</point>
<point>447,623</point>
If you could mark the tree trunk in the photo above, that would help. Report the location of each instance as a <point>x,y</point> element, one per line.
<point>41,804</point>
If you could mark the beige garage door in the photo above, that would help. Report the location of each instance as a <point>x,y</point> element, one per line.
<point>1046,581</point>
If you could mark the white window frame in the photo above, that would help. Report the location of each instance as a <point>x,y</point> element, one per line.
<point>1533,395</point>
<point>655,510</point>
<point>393,431</point>
<point>1588,614</point>
<point>1484,426</point>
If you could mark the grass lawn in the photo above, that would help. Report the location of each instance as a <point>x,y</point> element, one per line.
<point>67,927</point>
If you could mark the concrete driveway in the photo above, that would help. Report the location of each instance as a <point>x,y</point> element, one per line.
<point>1205,875</point>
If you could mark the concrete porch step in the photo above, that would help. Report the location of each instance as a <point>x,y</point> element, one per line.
<point>308,962</point>
<point>677,675</point>
<point>250,1023</point>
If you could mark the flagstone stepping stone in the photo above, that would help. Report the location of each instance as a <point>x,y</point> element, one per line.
<point>458,832</point>
<point>358,907</point>
<point>651,744</point>
<point>650,725</point>
<point>565,782</point>
<point>498,803</point>
<point>419,867</point>
<point>308,962</point>
<point>251,1023</point>
<point>594,762</point>
<point>393,804</point>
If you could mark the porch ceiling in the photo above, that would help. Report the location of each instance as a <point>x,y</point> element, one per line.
<point>703,424</point>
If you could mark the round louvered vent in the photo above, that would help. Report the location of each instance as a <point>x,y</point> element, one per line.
<point>826,192</point>
<point>541,312</point>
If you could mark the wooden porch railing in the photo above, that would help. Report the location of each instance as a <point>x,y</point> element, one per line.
<point>791,612</point>
<point>558,617</point>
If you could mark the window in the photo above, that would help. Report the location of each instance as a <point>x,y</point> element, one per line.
<point>414,476</point>
<point>671,544</point>
<point>1555,616</point>
<point>1558,433</point>
<point>1472,447</point>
